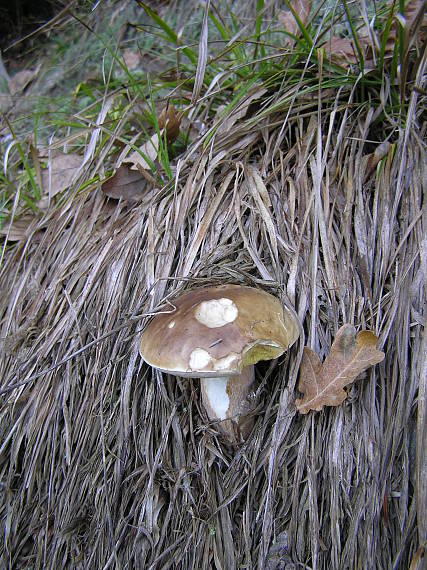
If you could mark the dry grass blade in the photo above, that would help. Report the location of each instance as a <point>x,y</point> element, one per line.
<point>203,55</point>
<point>241,110</point>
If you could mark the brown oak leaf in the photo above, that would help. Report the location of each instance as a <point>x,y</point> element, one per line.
<point>322,384</point>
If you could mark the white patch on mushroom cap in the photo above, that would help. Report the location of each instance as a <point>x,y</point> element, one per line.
<point>216,392</point>
<point>199,359</point>
<point>225,362</point>
<point>171,325</point>
<point>216,312</point>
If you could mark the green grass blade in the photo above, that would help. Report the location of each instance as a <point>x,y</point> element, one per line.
<point>28,170</point>
<point>258,24</point>
<point>170,33</point>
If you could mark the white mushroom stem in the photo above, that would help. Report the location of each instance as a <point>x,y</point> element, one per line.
<point>226,401</point>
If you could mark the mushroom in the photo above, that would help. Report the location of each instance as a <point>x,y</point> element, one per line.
<point>217,334</point>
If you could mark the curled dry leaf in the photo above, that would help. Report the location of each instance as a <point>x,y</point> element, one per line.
<point>375,157</point>
<point>168,118</point>
<point>323,384</point>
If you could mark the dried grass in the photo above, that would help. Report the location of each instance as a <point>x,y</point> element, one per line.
<point>106,463</point>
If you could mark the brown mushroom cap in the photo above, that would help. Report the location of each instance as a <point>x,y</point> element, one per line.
<point>217,331</point>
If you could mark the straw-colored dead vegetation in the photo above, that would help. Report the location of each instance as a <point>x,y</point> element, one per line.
<point>106,463</point>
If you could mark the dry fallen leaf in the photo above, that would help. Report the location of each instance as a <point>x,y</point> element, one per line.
<point>323,384</point>
<point>413,22</point>
<point>287,20</point>
<point>132,59</point>
<point>60,172</point>
<point>341,50</point>
<point>20,80</point>
<point>19,229</point>
<point>149,149</point>
<point>143,62</point>
<point>6,102</point>
<point>375,157</point>
<point>126,184</point>
<point>169,119</point>
<point>414,16</point>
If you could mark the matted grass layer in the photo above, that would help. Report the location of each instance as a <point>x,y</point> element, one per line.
<point>105,463</point>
